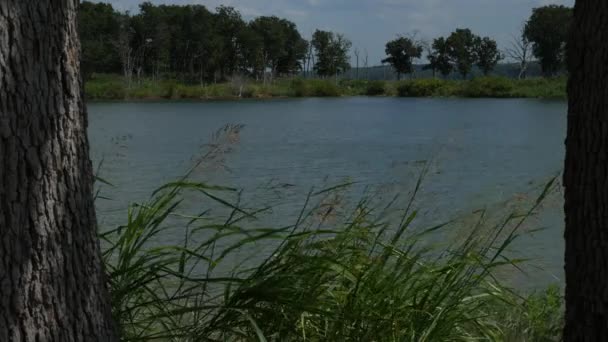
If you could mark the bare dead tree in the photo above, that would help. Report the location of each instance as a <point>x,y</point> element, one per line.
<point>123,44</point>
<point>384,71</point>
<point>521,52</point>
<point>356,52</point>
<point>310,59</point>
<point>366,65</point>
<point>237,82</point>
<point>418,40</point>
<point>428,49</point>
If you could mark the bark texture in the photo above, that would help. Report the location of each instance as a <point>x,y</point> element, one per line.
<point>586,175</point>
<point>52,286</point>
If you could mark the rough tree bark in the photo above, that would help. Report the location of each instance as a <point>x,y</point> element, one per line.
<point>586,175</point>
<point>52,286</point>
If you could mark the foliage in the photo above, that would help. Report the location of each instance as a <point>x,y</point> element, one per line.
<point>283,47</point>
<point>461,50</point>
<point>488,87</point>
<point>402,51</point>
<point>540,318</point>
<point>486,54</point>
<point>106,87</point>
<point>548,29</point>
<point>439,59</point>
<point>189,42</point>
<point>421,88</point>
<point>547,88</point>
<point>332,53</point>
<point>293,60</point>
<point>315,88</point>
<point>336,272</point>
<point>375,88</point>
<point>99,26</point>
<point>194,45</point>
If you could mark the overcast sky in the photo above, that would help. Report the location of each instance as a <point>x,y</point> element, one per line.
<point>369,24</point>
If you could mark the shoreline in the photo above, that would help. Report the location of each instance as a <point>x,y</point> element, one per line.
<point>277,98</point>
<point>114,88</point>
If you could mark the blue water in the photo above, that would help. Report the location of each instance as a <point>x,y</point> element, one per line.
<point>480,153</point>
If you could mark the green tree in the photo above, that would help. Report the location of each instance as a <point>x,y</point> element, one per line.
<point>439,58</point>
<point>486,54</point>
<point>151,40</point>
<point>331,52</point>
<point>252,52</point>
<point>297,48</point>
<point>548,30</point>
<point>461,50</point>
<point>274,40</point>
<point>201,33</point>
<point>283,47</point>
<point>99,28</point>
<point>401,53</point>
<point>229,25</point>
<point>192,43</point>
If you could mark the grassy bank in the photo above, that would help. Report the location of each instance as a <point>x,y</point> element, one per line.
<point>358,277</point>
<point>108,87</point>
<point>365,271</point>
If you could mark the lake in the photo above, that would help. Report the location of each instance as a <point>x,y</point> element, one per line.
<point>480,153</point>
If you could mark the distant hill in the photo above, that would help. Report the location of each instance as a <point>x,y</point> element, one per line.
<point>386,72</point>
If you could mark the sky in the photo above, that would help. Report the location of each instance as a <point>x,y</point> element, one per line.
<point>369,24</point>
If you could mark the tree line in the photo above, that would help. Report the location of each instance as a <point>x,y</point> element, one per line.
<point>543,36</point>
<point>195,44</point>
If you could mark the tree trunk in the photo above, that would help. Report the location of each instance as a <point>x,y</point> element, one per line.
<point>522,70</point>
<point>52,284</point>
<point>586,176</point>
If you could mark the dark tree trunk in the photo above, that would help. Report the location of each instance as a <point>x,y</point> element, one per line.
<point>586,176</point>
<point>52,286</point>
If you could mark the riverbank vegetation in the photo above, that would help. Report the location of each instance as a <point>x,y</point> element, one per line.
<point>338,271</point>
<point>108,87</point>
<point>198,262</point>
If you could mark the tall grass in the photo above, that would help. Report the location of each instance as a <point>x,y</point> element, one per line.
<point>334,273</point>
<point>108,87</point>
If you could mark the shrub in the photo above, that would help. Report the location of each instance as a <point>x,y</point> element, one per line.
<point>353,87</point>
<point>420,88</point>
<point>170,90</point>
<point>114,87</point>
<point>549,88</point>
<point>188,92</point>
<point>318,88</point>
<point>323,88</point>
<point>487,87</point>
<point>218,90</point>
<point>299,88</point>
<point>102,87</point>
<point>375,88</point>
